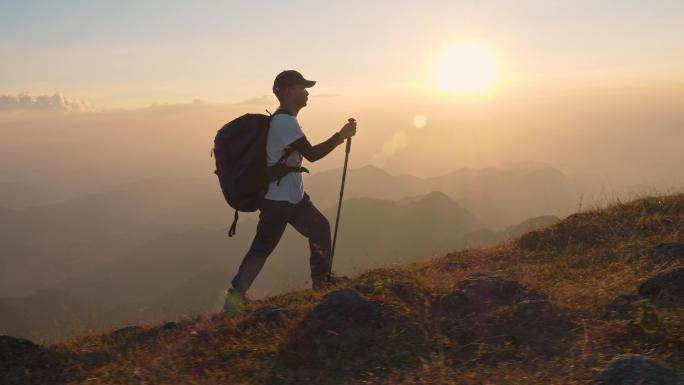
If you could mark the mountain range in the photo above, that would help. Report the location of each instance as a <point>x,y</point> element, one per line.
<point>182,272</point>
<point>44,244</point>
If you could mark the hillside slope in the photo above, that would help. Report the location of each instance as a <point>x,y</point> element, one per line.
<point>552,306</point>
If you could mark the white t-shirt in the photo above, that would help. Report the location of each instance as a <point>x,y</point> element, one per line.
<point>284,130</point>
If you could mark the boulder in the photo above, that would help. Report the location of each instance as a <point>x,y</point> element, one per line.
<point>345,334</point>
<point>23,362</point>
<point>126,331</point>
<point>345,298</point>
<point>667,251</point>
<point>14,351</point>
<point>535,319</point>
<point>343,325</point>
<point>495,309</point>
<point>666,285</point>
<point>481,291</point>
<point>622,306</point>
<point>635,369</point>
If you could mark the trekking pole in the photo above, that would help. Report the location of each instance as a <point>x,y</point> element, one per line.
<point>339,205</point>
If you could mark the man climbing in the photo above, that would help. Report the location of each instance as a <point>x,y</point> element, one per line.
<point>286,202</point>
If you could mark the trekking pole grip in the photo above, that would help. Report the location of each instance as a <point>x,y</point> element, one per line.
<point>350,120</point>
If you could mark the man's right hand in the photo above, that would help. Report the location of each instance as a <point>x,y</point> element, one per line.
<point>348,130</point>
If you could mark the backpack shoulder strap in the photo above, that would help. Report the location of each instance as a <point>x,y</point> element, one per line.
<point>288,150</point>
<point>233,227</point>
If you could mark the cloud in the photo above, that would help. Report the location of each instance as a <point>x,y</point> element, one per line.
<point>270,99</point>
<point>166,106</point>
<point>266,99</point>
<point>56,103</point>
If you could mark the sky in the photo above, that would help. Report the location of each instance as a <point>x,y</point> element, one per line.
<point>129,54</point>
<point>595,86</point>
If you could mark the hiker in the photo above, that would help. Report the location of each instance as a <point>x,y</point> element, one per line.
<point>286,202</point>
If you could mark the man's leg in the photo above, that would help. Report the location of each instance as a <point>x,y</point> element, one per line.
<point>273,218</point>
<point>309,222</point>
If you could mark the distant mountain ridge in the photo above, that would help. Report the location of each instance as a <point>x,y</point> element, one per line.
<point>499,197</point>
<point>59,240</point>
<point>187,272</point>
<point>19,195</point>
<point>367,226</point>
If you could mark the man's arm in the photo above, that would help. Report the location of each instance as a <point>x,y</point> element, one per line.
<point>314,153</point>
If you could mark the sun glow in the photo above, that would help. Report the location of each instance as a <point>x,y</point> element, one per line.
<point>465,69</point>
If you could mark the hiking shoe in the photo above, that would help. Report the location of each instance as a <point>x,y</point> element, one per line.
<point>235,301</point>
<point>325,281</point>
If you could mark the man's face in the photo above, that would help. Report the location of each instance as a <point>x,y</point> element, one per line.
<point>298,95</point>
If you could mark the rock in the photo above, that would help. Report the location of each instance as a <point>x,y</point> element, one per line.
<point>127,337</point>
<point>480,292</point>
<point>23,362</point>
<point>622,306</point>
<point>341,314</point>
<point>667,251</point>
<point>348,335</point>
<point>126,331</point>
<point>169,325</point>
<point>13,350</point>
<point>538,316</point>
<point>634,369</point>
<point>494,309</point>
<point>666,285</point>
<point>342,298</point>
<point>494,289</point>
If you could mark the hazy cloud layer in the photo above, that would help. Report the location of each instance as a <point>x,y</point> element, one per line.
<point>60,103</point>
<point>265,99</point>
<point>56,102</point>
<point>270,99</point>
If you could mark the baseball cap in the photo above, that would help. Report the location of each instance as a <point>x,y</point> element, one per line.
<point>290,78</point>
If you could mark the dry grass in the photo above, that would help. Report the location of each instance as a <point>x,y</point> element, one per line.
<point>580,263</point>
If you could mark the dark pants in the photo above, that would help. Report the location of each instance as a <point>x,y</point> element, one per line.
<point>273,218</point>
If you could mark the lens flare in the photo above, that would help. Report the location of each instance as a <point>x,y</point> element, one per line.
<point>419,121</point>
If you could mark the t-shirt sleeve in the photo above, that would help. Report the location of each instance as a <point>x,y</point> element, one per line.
<point>287,130</point>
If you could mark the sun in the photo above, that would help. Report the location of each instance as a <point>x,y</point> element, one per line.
<point>465,69</point>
